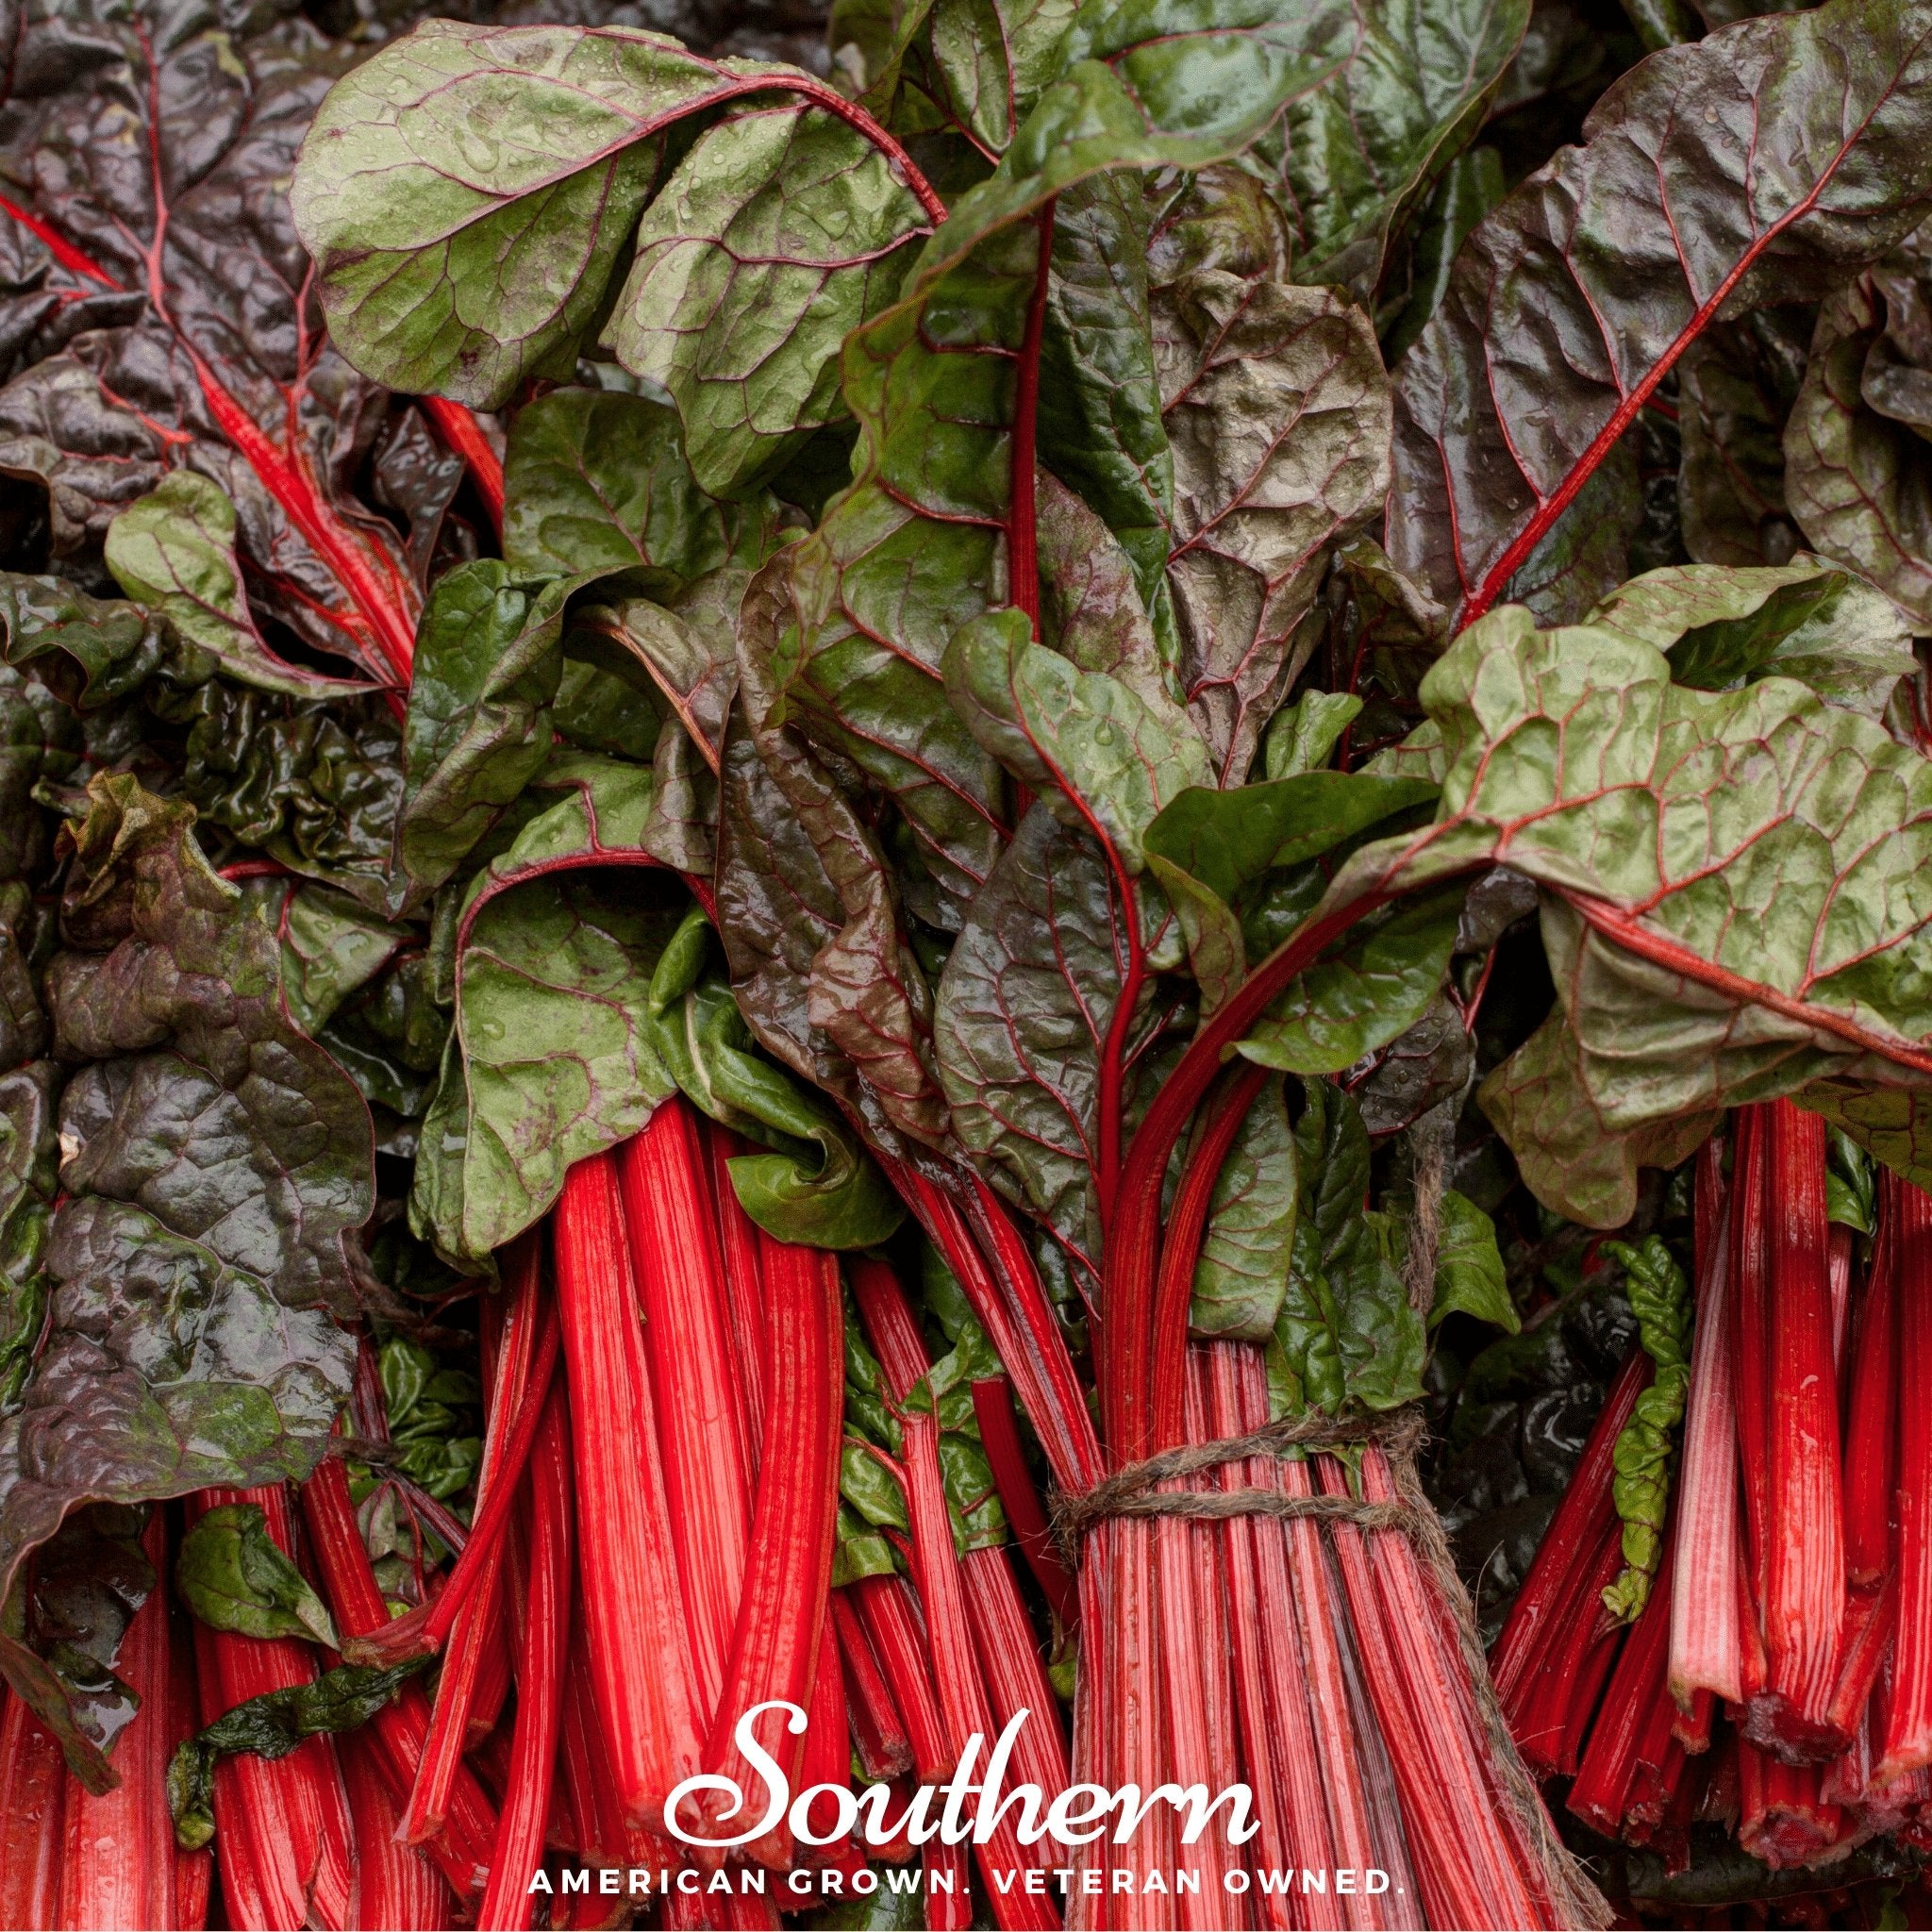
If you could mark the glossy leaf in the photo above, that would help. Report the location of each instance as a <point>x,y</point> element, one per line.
<point>1102,757</point>
<point>215,1164</point>
<point>1242,1272</point>
<point>1362,150</point>
<point>235,1577</point>
<point>1573,299</point>
<point>1823,627</point>
<point>271,1725</point>
<point>816,1185</point>
<point>778,233</point>
<point>1346,1332</point>
<point>174,551</point>
<point>1470,1277</point>
<point>1857,480</point>
<point>1278,416</point>
<point>1026,1005</point>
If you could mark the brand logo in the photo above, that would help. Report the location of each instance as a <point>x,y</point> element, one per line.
<point>1078,1815</point>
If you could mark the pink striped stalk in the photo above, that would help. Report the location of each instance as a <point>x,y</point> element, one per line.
<point>292,1813</point>
<point>546,1620</point>
<point>1908,1720</point>
<point>1468,1866</point>
<point>703,1425</point>
<point>121,1867</point>
<point>396,1886</point>
<point>962,1696</point>
<point>633,1607</point>
<point>1805,1559</point>
<point>397,1731</point>
<point>1703,1621</point>
<point>1278,1740</point>
<point>475,1635</point>
<point>774,1648</point>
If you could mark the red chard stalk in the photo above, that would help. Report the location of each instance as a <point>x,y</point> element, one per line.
<point>633,1606</point>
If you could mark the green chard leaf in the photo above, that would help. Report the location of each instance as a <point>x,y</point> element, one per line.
<point>174,551</point>
<point>816,1185</point>
<point>1246,1253</point>
<point>233,1575</point>
<point>1363,150</point>
<point>551,1057</point>
<point>1732,901</point>
<point>1470,1277</point>
<point>215,1165</point>
<point>271,1726</point>
<point>1809,619</point>
<point>778,233</point>
<point>1346,1332</point>
<point>916,548</point>
<point>1659,1295</point>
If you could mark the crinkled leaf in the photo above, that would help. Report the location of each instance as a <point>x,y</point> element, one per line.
<point>271,1726</point>
<point>467,192</point>
<point>597,480</point>
<point>1761,162</point>
<point>1100,430</point>
<point>1808,620</point>
<point>313,785</point>
<point>816,1185</point>
<point>778,233</point>
<point>234,1576</point>
<point>1242,1272</point>
<point>1736,385</point>
<point>916,548</point>
<point>1364,148</point>
<point>1346,1332</point>
<point>158,146</point>
<point>1857,480</point>
<point>175,550</point>
<point>1026,1005</point>
<point>810,920</point>
<point>551,1057</point>
<point>1091,602</point>
<point>1101,757</point>
<point>215,1164</point>
<point>1734,898</point>
<point>1277,415</point>
<point>1422,1066</point>
<point>487,670</point>
<point>1661,1298</point>
<point>1470,1277</point>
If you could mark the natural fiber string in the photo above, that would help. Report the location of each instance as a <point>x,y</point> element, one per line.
<point>1135,1492</point>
